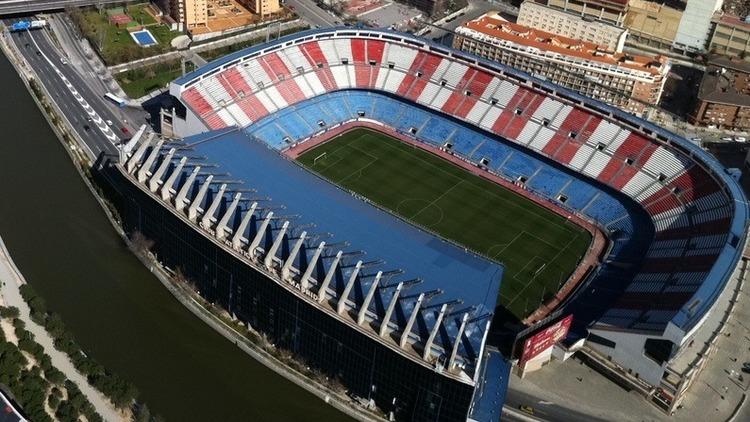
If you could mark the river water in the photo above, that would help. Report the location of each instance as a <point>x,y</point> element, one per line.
<point>121,315</point>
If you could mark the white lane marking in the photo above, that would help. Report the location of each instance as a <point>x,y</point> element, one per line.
<point>105,129</point>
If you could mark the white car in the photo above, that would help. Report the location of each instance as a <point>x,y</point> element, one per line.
<point>727,138</point>
<point>109,122</point>
<point>63,61</point>
<point>740,139</point>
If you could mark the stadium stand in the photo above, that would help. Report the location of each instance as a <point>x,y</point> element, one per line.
<point>556,143</point>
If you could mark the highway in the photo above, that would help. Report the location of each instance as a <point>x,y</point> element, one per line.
<point>12,7</point>
<point>312,13</point>
<point>86,111</point>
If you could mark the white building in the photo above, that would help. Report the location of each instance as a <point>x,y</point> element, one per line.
<point>695,26</point>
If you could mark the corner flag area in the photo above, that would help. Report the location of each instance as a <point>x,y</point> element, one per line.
<point>539,248</point>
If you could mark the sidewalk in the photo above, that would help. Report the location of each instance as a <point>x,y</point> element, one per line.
<point>11,281</point>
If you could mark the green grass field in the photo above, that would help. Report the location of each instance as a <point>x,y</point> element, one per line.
<point>539,249</point>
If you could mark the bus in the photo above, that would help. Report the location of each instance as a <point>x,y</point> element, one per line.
<point>115,99</point>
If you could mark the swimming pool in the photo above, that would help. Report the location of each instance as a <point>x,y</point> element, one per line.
<point>144,38</point>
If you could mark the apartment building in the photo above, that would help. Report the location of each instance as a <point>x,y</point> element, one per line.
<point>612,11</point>
<point>724,94</point>
<point>653,24</point>
<point>557,21</point>
<point>730,36</point>
<point>261,7</point>
<point>627,81</point>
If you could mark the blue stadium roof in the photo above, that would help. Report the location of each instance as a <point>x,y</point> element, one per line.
<point>461,275</point>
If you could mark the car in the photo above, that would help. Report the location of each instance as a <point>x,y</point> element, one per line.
<point>740,139</point>
<point>88,119</point>
<point>63,61</point>
<point>109,122</point>
<point>125,130</point>
<point>38,53</point>
<point>27,45</point>
<point>86,128</point>
<point>727,138</point>
<point>526,409</point>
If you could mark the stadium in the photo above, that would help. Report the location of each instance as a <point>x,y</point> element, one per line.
<point>380,205</point>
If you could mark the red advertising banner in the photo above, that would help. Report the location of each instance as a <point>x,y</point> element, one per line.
<point>545,338</point>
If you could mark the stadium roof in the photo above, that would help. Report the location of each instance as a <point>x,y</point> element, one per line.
<point>460,275</point>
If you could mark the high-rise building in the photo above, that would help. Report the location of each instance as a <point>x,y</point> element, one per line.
<point>568,24</point>
<point>695,25</point>
<point>724,94</point>
<point>612,11</point>
<point>196,13</point>
<point>652,24</point>
<point>731,35</point>
<point>262,7</point>
<point>627,81</point>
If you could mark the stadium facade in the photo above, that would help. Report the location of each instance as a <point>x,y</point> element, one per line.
<point>675,220</point>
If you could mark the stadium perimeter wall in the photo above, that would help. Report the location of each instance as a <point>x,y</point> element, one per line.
<point>341,353</point>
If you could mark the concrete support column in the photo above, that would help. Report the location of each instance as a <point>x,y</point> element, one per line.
<point>193,210</point>
<point>221,228</point>
<point>237,238</point>
<point>143,171</point>
<point>457,342</point>
<point>209,213</point>
<point>292,256</point>
<point>389,311</point>
<point>166,188</point>
<point>259,236</point>
<point>328,277</point>
<point>435,328</point>
<point>134,140</point>
<point>368,299</point>
<point>179,201</point>
<point>136,158</point>
<point>271,253</point>
<point>304,281</point>
<point>341,305</point>
<point>153,183</point>
<point>410,322</point>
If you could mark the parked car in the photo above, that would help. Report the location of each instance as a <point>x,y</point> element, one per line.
<point>526,409</point>
<point>740,139</point>
<point>727,138</point>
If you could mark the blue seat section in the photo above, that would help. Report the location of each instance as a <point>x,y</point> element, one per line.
<point>579,194</point>
<point>548,181</point>
<point>520,165</point>
<point>493,151</point>
<point>272,135</point>
<point>312,114</point>
<point>413,118</point>
<point>606,209</point>
<point>465,141</point>
<point>437,131</point>
<point>386,110</point>
<point>336,108</point>
<point>296,127</point>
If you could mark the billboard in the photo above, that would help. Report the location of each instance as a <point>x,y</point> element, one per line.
<point>545,338</point>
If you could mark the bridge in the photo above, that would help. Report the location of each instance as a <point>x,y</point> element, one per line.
<point>17,7</point>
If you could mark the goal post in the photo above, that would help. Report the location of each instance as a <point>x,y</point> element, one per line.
<point>319,157</point>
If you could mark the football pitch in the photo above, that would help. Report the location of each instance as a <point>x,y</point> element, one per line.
<point>538,248</point>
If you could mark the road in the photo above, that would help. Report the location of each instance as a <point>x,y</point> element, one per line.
<point>310,11</point>
<point>9,289</point>
<point>86,111</point>
<point>10,7</point>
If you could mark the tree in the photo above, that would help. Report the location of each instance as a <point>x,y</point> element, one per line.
<point>141,413</point>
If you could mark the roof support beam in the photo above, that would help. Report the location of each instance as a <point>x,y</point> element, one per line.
<point>209,213</point>
<point>293,255</point>
<point>304,281</point>
<point>271,253</point>
<point>237,238</point>
<point>153,183</point>
<point>368,299</point>
<point>329,276</point>
<point>143,171</point>
<point>457,342</point>
<point>259,236</point>
<point>349,285</point>
<point>389,311</point>
<point>221,228</point>
<point>193,210</point>
<point>179,201</point>
<point>410,323</point>
<point>134,140</point>
<point>166,188</point>
<point>135,159</point>
<point>435,328</point>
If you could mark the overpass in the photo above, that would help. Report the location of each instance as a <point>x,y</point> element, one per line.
<point>13,7</point>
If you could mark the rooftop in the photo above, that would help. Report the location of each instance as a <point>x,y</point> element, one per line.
<point>718,83</point>
<point>731,20</point>
<point>495,26</point>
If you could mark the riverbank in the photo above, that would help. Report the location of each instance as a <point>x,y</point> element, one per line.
<point>11,282</point>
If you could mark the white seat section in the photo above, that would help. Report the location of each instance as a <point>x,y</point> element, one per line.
<point>401,57</point>
<point>597,163</point>
<point>437,75</point>
<point>547,109</point>
<point>288,63</point>
<point>257,73</point>
<point>711,215</point>
<point>343,47</point>
<point>604,133</point>
<point>490,117</point>
<point>352,75</point>
<point>505,92</point>
<point>673,221</point>
<point>329,52</point>
<point>528,132</point>
<point>665,162</point>
<point>638,183</point>
<point>393,81</point>
<point>670,243</point>
<point>226,117</point>
<point>207,96</point>
<point>476,112</point>
<point>442,96</point>
<point>490,89</point>
<point>340,76</point>
<point>454,73</point>
<point>301,82</point>
<point>266,101</point>
<point>621,136</point>
<point>238,115</point>
<point>217,90</point>
<point>428,93</point>
<point>541,139</point>
<point>295,59</point>
<point>248,79</point>
<point>709,201</point>
<point>561,116</point>
<point>581,157</point>
<point>710,241</point>
<point>314,81</point>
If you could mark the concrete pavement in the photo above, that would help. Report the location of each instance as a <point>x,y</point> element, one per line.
<point>11,281</point>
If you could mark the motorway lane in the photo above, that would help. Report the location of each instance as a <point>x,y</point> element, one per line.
<point>70,100</point>
<point>310,12</point>
<point>9,7</point>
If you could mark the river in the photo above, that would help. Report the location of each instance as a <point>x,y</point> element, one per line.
<point>121,315</point>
